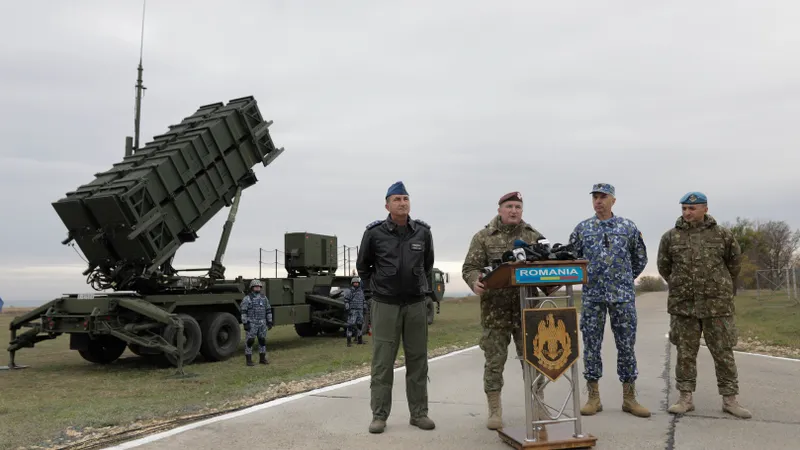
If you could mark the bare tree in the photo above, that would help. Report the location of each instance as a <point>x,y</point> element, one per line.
<point>778,247</point>
<point>780,244</point>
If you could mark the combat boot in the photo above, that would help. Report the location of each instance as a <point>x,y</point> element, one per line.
<point>593,405</point>
<point>629,403</point>
<point>423,423</point>
<point>683,405</point>
<point>249,360</point>
<point>262,358</point>
<point>360,340</point>
<point>377,426</point>
<point>731,406</point>
<point>349,343</point>
<point>495,419</point>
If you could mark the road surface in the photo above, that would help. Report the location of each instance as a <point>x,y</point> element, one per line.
<point>337,418</point>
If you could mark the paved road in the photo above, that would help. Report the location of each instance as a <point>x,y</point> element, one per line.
<point>338,418</point>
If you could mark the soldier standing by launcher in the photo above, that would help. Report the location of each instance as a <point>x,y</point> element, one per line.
<point>356,307</point>
<point>501,317</point>
<point>257,319</point>
<point>617,255</point>
<point>700,261</point>
<point>394,260</point>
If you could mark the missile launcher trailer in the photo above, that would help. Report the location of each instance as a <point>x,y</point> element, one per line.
<point>130,221</point>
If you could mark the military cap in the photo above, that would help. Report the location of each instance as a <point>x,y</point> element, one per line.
<point>511,196</point>
<point>397,188</point>
<point>694,198</point>
<point>604,188</point>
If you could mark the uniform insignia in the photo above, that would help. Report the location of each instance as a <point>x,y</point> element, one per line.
<point>374,224</point>
<point>692,198</point>
<point>546,344</point>
<point>422,223</point>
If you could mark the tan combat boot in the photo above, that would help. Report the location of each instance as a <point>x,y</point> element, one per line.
<point>683,405</point>
<point>593,405</point>
<point>495,420</point>
<point>731,406</point>
<point>629,403</point>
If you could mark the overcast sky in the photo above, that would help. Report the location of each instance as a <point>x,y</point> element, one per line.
<point>462,100</point>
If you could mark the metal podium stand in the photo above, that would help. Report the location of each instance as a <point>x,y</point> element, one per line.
<point>551,347</point>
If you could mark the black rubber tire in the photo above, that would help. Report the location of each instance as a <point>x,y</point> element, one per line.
<point>221,336</point>
<point>103,350</point>
<point>307,329</point>
<point>193,339</point>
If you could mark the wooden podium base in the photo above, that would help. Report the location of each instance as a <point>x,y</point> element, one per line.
<point>554,436</point>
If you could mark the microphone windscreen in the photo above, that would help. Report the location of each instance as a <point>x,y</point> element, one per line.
<point>520,243</point>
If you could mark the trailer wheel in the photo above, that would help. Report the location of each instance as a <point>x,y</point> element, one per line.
<point>307,329</point>
<point>221,336</point>
<point>103,349</point>
<point>431,309</point>
<point>192,339</point>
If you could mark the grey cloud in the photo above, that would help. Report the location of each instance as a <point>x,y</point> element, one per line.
<point>463,101</point>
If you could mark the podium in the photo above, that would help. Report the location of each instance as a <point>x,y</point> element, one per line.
<point>551,348</point>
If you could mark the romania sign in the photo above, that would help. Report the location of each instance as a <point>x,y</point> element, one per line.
<point>566,274</point>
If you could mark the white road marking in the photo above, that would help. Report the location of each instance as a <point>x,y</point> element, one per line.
<point>252,409</point>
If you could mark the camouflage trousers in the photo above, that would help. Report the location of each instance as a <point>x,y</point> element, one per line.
<point>494,342</point>
<point>390,324</point>
<point>720,335</point>
<point>623,325</point>
<point>258,329</point>
<point>355,321</point>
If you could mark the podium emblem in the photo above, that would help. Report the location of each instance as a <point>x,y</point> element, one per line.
<point>551,339</point>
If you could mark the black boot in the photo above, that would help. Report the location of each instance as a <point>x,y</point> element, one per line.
<point>360,340</point>
<point>249,360</point>
<point>262,358</point>
<point>348,342</point>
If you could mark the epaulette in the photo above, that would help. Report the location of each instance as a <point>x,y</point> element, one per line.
<point>374,224</point>
<point>422,223</point>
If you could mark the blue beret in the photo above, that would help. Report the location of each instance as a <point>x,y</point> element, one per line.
<point>694,198</point>
<point>397,189</point>
<point>604,188</point>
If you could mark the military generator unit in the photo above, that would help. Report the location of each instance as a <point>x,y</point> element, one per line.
<point>131,220</point>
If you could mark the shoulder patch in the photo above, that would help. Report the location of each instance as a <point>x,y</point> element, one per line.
<point>374,224</point>
<point>422,223</point>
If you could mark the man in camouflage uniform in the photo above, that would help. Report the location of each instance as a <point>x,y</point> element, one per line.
<point>700,260</point>
<point>356,307</point>
<point>257,319</point>
<point>617,255</point>
<point>501,317</point>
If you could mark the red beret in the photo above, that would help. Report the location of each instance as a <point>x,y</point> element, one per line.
<point>515,196</point>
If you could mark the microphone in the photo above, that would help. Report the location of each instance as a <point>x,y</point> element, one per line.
<point>518,243</point>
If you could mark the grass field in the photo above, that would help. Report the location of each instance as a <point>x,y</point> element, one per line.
<point>61,397</point>
<point>769,323</point>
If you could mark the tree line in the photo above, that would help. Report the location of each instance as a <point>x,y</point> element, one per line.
<point>771,245</point>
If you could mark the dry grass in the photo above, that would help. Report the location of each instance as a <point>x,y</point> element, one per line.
<point>62,400</point>
<point>14,310</point>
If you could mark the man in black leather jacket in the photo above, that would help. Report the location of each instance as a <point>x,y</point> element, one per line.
<point>395,261</point>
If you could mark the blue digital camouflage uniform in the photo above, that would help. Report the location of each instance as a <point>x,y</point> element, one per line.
<point>256,318</point>
<point>617,255</point>
<point>355,305</point>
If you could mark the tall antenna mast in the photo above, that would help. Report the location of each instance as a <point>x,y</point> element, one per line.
<point>130,148</point>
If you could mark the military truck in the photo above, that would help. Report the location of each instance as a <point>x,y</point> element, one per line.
<point>129,223</point>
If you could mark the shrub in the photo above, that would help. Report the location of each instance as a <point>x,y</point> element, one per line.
<point>651,284</point>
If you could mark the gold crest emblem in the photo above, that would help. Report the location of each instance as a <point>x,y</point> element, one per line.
<point>552,344</point>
